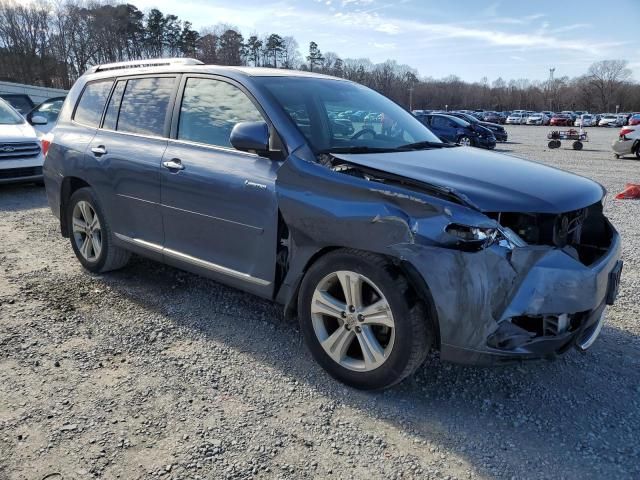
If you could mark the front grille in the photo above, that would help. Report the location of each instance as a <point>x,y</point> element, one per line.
<point>16,150</point>
<point>584,233</point>
<point>20,172</point>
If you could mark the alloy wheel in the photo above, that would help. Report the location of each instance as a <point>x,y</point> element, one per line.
<point>87,232</point>
<point>465,142</point>
<point>352,321</point>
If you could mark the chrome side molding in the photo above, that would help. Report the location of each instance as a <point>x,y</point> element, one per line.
<point>198,262</point>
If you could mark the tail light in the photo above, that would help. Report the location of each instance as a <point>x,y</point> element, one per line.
<point>46,141</point>
<point>626,131</point>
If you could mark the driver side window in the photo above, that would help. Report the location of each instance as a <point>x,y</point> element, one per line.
<point>210,109</point>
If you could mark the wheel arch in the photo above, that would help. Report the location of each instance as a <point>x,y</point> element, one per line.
<point>288,293</point>
<point>68,187</point>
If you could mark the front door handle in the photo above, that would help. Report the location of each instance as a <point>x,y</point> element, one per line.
<point>173,164</point>
<point>99,150</point>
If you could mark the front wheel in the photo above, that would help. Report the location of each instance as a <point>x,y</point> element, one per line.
<point>465,141</point>
<point>361,321</point>
<point>90,234</point>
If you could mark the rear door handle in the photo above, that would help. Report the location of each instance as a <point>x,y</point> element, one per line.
<point>173,164</point>
<point>99,150</point>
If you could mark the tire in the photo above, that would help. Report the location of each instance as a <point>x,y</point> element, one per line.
<point>465,141</point>
<point>100,254</point>
<point>616,156</point>
<point>402,335</point>
<point>577,145</point>
<point>551,144</point>
<point>638,150</point>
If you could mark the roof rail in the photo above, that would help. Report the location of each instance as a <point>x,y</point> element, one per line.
<point>153,62</point>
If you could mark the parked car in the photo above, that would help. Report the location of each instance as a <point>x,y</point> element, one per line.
<point>383,245</point>
<point>498,131</point>
<point>561,120</point>
<point>635,119</point>
<point>20,153</point>
<point>585,120</point>
<point>628,142</point>
<point>493,117</point>
<point>453,129</point>
<point>538,119</point>
<point>610,120</point>
<point>571,114</point>
<point>43,117</point>
<point>516,118</point>
<point>21,102</point>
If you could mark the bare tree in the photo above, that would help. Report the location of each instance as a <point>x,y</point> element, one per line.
<point>606,79</point>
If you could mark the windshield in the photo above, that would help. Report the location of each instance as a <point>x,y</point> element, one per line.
<point>337,115</point>
<point>8,116</point>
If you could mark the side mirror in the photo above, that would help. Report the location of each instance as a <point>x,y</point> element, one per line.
<point>39,120</point>
<point>250,137</point>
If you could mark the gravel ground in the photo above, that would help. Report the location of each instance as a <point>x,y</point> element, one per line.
<point>152,372</point>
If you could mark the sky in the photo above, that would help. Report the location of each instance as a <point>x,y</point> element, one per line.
<point>469,38</point>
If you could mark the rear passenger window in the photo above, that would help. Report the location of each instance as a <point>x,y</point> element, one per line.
<point>91,105</point>
<point>144,106</point>
<point>210,109</point>
<point>111,117</point>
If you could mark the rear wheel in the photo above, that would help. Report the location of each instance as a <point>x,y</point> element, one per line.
<point>577,145</point>
<point>90,234</point>
<point>360,320</point>
<point>637,149</point>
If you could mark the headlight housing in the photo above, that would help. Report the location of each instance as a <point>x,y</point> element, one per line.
<point>475,238</point>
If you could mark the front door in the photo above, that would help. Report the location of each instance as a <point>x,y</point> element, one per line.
<point>219,205</point>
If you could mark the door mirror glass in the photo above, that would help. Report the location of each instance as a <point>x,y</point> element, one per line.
<point>250,137</point>
<point>39,120</point>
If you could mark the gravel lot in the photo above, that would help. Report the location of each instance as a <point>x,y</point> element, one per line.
<point>152,372</point>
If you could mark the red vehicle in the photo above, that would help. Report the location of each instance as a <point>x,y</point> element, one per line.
<point>635,119</point>
<point>561,119</point>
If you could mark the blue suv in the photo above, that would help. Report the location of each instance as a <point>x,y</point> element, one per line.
<point>384,241</point>
<point>453,129</point>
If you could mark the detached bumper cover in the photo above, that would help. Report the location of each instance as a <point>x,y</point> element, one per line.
<point>477,293</point>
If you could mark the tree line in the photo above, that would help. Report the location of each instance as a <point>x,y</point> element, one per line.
<point>52,44</point>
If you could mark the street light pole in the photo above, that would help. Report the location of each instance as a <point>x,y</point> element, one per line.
<point>411,98</point>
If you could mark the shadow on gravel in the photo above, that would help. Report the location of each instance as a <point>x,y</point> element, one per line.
<point>22,196</point>
<point>576,417</point>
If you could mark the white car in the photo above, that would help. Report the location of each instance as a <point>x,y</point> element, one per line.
<point>516,119</point>
<point>21,155</point>
<point>585,120</point>
<point>44,117</point>
<point>610,120</point>
<point>537,119</point>
<point>628,142</point>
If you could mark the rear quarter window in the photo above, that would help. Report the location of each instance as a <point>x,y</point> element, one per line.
<point>91,105</point>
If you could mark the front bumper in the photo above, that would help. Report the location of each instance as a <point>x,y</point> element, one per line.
<point>21,170</point>
<point>476,294</point>
<point>500,136</point>
<point>485,142</point>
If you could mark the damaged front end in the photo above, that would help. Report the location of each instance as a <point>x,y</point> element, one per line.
<point>503,285</point>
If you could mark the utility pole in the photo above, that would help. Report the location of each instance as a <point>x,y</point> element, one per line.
<point>551,72</point>
<point>411,98</point>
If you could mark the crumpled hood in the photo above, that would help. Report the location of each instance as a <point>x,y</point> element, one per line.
<point>489,181</point>
<point>17,133</point>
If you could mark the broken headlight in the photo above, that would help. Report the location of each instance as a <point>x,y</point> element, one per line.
<point>475,238</point>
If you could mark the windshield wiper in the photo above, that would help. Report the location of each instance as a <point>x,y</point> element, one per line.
<point>426,144</point>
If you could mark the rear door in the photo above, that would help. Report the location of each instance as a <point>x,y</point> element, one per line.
<point>128,150</point>
<point>219,207</point>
